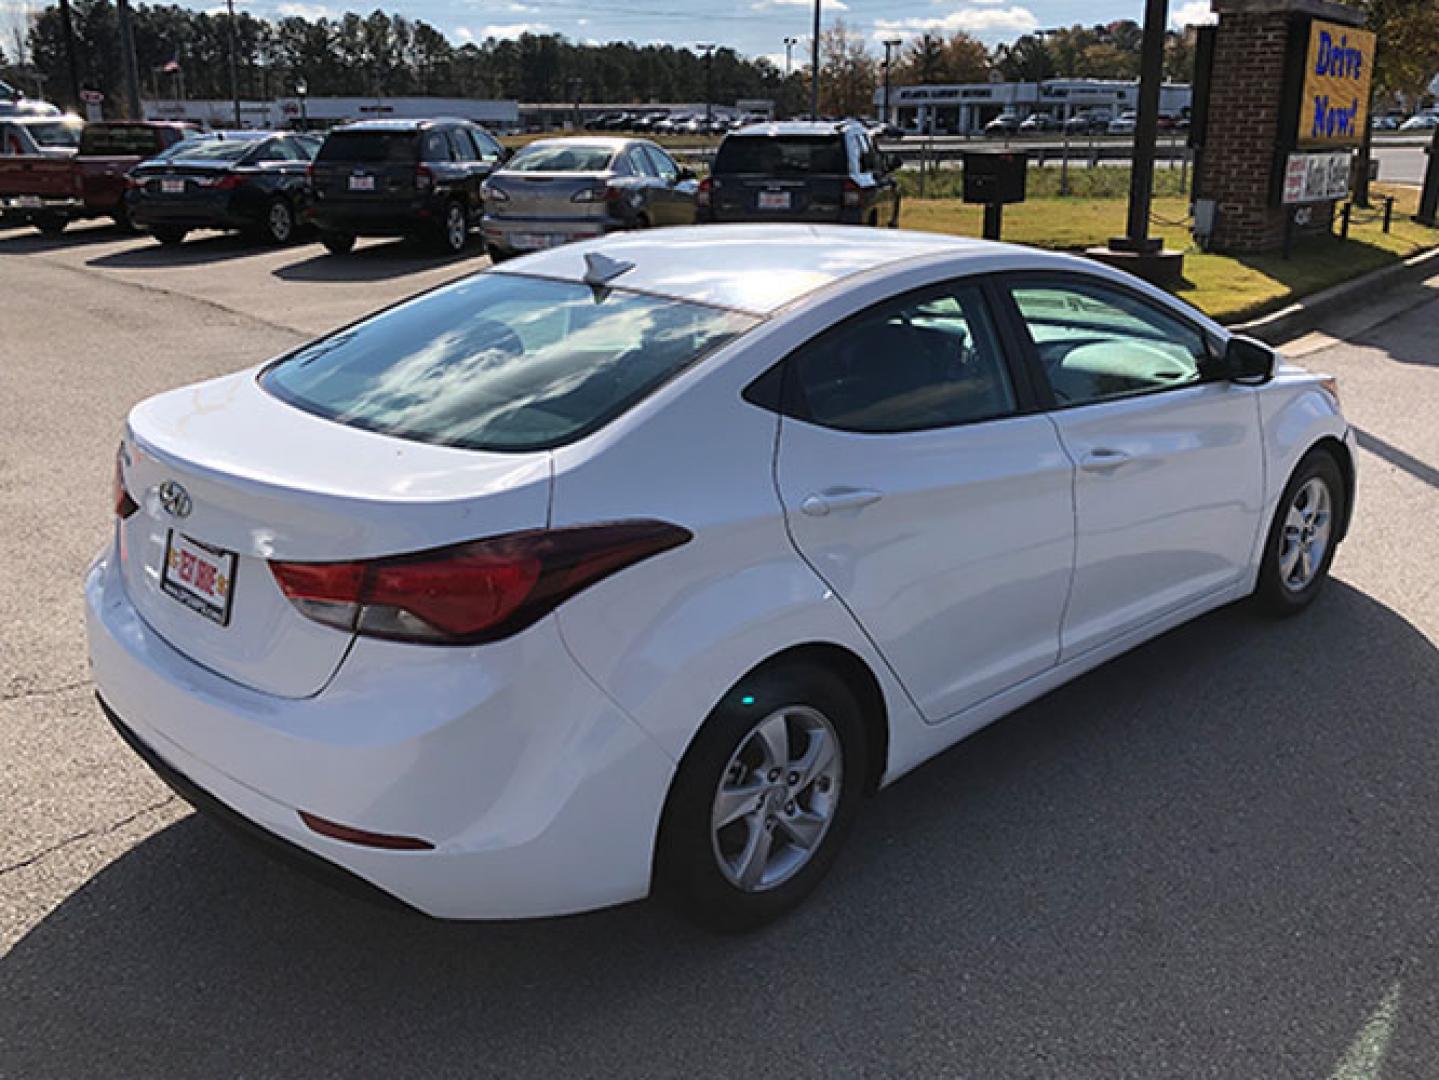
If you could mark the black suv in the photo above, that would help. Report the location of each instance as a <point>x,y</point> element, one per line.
<point>402,178</point>
<point>801,171</point>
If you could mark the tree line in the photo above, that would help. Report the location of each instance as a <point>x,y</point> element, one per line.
<point>185,52</point>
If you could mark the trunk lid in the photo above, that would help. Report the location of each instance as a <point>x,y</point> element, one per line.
<point>547,194</point>
<point>264,480</point>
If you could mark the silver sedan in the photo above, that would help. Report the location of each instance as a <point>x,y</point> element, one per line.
<point>558,190</point>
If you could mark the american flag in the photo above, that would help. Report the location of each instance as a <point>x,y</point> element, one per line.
<point>173,66</point>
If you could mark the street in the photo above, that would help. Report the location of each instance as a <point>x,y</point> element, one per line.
<point>1213,857</point>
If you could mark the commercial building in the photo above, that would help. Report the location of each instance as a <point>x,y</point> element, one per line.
<point>323,112</point>
<point>964,108</point>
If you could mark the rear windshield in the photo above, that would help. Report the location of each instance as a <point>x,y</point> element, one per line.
<point>501,362</point>
<point>561,159</point>
<point>782,155</point>
<point>370,147</point>
<point>57,133</point>
<point>216,150</point>
<point>119,140</point>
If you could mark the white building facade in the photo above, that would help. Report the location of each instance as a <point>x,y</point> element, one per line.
<point>964,108</point>
<point>324,112</point>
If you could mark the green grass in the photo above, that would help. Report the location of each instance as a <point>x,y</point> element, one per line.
<point>1229,288</point>
<point>1101,182</point>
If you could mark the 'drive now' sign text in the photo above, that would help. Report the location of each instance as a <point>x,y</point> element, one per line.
<point>1334,102</point>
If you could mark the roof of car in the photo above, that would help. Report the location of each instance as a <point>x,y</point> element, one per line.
<point>613,142</point>
<point>752,268</point>
<point>799,127</point>
<point>397,125</point>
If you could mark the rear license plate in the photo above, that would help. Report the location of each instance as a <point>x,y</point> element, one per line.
<point>172,187</point>
<point>362,183</point>
<point>199,576</point>
<point>27,202</point>
<point>774,200</point>
<point>536,241</point>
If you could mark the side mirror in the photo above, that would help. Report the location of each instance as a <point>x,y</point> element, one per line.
<point>1247,360</point>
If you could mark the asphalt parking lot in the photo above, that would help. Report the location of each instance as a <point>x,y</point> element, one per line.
<point>1214,857</point>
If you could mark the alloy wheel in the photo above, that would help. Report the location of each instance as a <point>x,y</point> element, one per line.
<point>1307,527</point>
<point>776,798</point>
<point>456,228</point>
<point>281,222</point>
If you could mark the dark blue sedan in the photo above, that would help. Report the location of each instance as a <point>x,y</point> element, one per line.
<point>254,182</point>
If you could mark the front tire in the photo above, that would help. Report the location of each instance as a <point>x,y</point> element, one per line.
<point>763,798</point>
<point>1303,536</point>
<point>169,235</point>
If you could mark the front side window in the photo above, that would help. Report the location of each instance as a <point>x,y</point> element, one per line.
<point>927,360</point>
<point>1095,342</point>
<point>501,362</point>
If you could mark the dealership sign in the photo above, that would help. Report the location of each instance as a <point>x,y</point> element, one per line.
<point>1334,98</point>
<point>1316,177</point>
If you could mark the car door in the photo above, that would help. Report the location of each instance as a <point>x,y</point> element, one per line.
<point>677,195</point>
<point>919,483</point>
<point>1169,466</point>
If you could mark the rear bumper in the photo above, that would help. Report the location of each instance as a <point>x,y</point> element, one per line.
<point>849,215</point>
<point>214,213</point>
<point>25,208</point>
<point>539,796</point>
<point>381,219</point>
<point>515,233</point>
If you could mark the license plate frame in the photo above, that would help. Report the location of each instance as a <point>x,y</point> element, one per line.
<point>172,186</point>
<point>210,590</point>
<point>27,202</point>
<point>536,241</point>
<point>362,182</point>
<point>774,200</point>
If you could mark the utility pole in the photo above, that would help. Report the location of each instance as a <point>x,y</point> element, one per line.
<point>893,44</point>
<point>234,65</point>
<point>127,61</point>
<point>814,67</point>
<point>1429,194</point>
<point>1146,133</point>
<point>789,44</point>
<point>708,48</point>
<point>67,28</point>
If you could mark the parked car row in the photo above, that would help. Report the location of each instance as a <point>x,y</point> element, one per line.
<point>441,180</point>
<point>663,122</point>
<point>1091,122</point>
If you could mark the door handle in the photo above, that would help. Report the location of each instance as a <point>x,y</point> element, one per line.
<point>835,499</point>
<point>1103,460</point>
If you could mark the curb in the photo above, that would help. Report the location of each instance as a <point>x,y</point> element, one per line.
<point>1304,315</point>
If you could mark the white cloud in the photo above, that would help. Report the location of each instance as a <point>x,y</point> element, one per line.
<point>305,11</point>
<point>827,5</point>
<point>514,30</point>
<point>464,33</point>
<point>987,21</point>
<point>518,9</point>
<point>1194,13</point>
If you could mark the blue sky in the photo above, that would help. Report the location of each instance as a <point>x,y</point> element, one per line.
<point>754,27</point>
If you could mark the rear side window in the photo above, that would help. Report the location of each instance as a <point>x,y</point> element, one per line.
<point>923,361</point>
<point>119,140</point>
<point>58,133</point>
<point>782,155</point>
<point>663,163</point>
<point>501,362</point>
<point>369,147</point>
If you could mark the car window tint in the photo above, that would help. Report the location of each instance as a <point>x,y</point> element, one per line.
<point>782,155</point>
<point>369,147</point>
<point>640,163</point>
<point>663,163</point>
<point>501,362</point>
<point>924,361</point>
<point>488,149</point>
<point>435,147</point>
<point>1096,342</point>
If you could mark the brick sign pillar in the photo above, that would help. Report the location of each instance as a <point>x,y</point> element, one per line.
<point>1252,118</point>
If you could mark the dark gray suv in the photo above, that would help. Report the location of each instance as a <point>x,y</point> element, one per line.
<point>801,171</point>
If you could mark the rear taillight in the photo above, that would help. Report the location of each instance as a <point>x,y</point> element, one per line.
<point>132,181</point>
<point>851,194</point>
<point>473,592</point>
<point>603,193</point>
<point>424,178</point>
<point>490,193</point>
<point>120,497</point>
<point>229,182</point>
<point>702,193</point>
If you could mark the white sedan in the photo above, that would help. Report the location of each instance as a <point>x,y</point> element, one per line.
<point>638,564</point>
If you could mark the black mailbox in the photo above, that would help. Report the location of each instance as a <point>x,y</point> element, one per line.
<point>995,177</point>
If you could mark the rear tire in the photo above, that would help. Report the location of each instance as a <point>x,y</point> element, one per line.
<point>51,225</point>
<point>454,228</point>
<point>121,218</point>
<point>338,243</point>
<point>787,819</point>
<point>1303,536</point>
<point>279,226</point>
<point>169,235</point>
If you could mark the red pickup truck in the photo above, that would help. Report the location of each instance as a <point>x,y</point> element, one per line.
<point>49,192</point>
